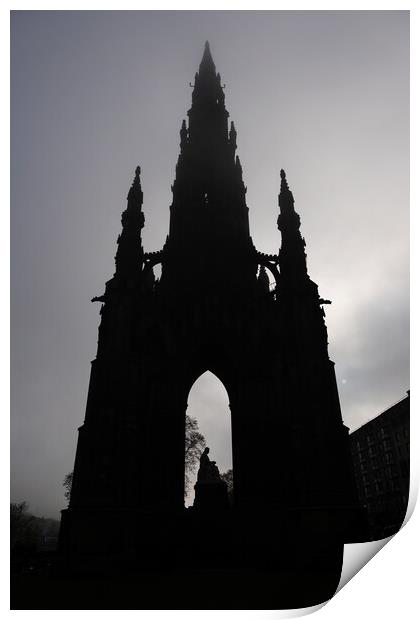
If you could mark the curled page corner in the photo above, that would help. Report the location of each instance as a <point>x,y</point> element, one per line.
<point>357,555</point>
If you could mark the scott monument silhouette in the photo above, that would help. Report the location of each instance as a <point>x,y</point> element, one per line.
<point>276,540</point>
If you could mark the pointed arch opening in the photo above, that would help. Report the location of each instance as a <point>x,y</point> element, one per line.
<point>208,405</point>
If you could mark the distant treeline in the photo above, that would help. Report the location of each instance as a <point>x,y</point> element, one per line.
<point>29,534</point>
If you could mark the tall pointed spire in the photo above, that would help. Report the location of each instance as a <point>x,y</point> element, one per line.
<point>292,257</point>
<point>208,207</point>
<point>207,162</point>
<point>207,62</point>
<point>208,115</point>
<point>130,252</point>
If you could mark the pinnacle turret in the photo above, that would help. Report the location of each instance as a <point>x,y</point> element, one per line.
<point>183,135</point>
<point>292,257</point>
<point>286,200</point>
<point>130,252</point>
<point>232,137</point>
<point>135,194</point>
<point>263,280</point>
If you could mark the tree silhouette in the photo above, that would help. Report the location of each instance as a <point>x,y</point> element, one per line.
<point>194,447</point>
<point>24,528</point>
<point>67,482</point>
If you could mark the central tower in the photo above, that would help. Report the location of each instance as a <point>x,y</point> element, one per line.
<point>209,243</point>
<point>212,309</point>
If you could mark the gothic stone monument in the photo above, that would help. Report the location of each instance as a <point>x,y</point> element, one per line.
<point>212,310</point>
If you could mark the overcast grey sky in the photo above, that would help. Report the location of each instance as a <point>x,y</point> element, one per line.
<point>324,95</point>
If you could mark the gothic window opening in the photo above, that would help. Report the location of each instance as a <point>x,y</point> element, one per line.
<point>208,404</point>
